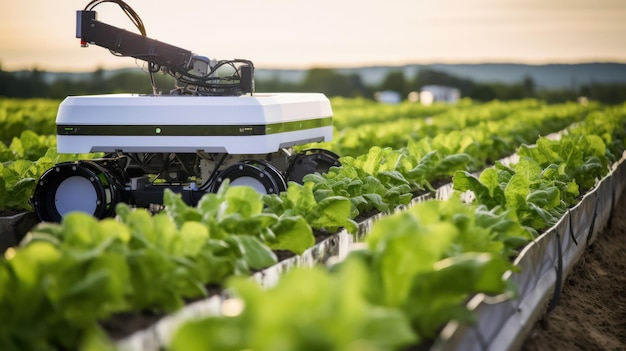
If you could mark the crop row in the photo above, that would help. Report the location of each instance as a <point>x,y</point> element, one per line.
<point>410,124</point>
<point>383,178</point>
<point>36,115</point>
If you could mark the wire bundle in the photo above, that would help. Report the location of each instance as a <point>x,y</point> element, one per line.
<point>187,83</point>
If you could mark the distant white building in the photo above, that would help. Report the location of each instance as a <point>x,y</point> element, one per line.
<point>438,93</point>
<point>388,97</point>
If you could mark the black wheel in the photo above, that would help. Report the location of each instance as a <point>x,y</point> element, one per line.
<point>311,161</point>
<point>84,186</point>
<point>260,175</point>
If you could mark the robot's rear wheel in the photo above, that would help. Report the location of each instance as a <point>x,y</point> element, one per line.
<point>260,175</point>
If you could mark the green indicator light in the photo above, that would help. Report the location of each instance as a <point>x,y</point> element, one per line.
<point>158,130</point>
<point>69,129</point>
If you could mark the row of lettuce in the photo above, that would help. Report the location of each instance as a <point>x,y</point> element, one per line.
<point>66,278</point>
<point>22,162</point>
<point>36,115</point>
<point>418,267</point>
<point>397,125</point>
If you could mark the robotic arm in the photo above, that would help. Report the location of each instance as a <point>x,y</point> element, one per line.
<point>195,75</point>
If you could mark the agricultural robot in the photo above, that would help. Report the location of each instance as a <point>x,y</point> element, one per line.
<point>212,126</point>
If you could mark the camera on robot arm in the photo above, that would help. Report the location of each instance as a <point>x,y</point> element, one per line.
<point>194,75</point>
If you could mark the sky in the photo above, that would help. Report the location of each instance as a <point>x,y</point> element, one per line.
<point>326,33</point>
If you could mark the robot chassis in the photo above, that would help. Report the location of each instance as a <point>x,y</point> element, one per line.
<point>211,127</point>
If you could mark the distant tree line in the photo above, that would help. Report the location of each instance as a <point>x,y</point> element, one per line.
<point>32,84</point>
<point>327,81</point>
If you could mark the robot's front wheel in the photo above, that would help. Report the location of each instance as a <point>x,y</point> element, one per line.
<point>85,186</point>
<point>260,175</point>
<point>311,161</point>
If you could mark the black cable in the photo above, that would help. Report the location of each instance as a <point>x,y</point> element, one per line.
<point>130,13</point>
<point>210,83</point>
<point>214,69</point>
<point>571,227</point>
<point>152,67</point>
<point>211,177</point>
<point>559,275</point>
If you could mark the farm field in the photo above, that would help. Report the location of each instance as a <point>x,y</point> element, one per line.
<point>387,161</point>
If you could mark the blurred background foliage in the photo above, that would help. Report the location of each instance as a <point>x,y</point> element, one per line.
<point>30,84</point>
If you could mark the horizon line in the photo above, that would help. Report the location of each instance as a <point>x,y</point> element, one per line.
<point>345,66</point>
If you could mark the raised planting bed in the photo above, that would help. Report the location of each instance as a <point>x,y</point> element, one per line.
<point>13,228</point>
<point>545,264</point>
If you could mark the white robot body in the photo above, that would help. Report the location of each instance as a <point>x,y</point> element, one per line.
<point>259,124</point>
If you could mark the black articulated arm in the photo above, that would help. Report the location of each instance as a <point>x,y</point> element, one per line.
<point>125,43</point>
<point>195,75</point>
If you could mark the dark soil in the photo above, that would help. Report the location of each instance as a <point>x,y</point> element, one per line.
<point>591,313</point>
